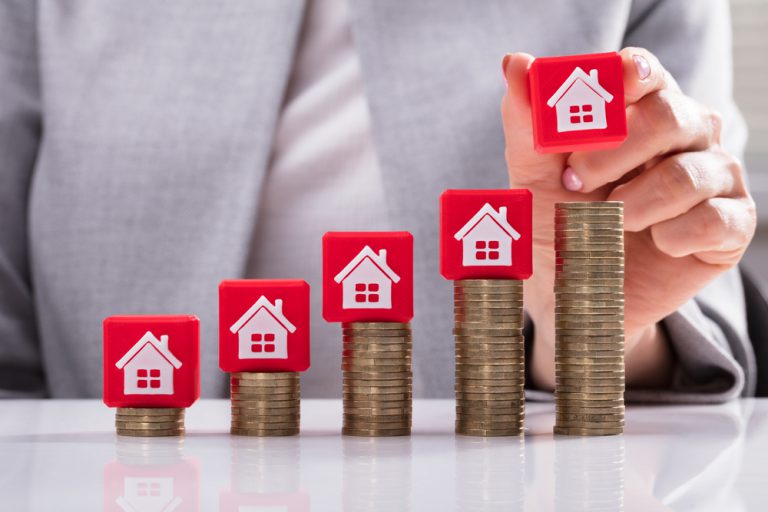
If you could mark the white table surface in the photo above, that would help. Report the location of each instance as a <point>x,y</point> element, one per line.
<point>64,455</point>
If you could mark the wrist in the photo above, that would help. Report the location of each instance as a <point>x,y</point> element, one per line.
<point>649,359</point>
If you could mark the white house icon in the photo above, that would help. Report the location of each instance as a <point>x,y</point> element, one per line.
<point>487,238</point>
<point>580,102</point>
<point>148,495</point>
<point>367,281</point>
<point>148,367</point>
<point>262,331</point>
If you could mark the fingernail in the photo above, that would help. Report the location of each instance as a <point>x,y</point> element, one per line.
<point>504,63</point>
<point>571,181</point>
<point>642,66</point>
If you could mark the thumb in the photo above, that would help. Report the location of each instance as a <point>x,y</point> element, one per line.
<point>525,165</point>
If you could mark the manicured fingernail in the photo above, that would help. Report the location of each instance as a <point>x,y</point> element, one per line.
<point>642,66</point>
<point>571,181</point>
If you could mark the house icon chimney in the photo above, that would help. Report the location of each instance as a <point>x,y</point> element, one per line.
<point>593,74</point>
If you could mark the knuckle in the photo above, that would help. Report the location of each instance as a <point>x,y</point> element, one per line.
<point>715,224</point>
<point>682,178</point>
<point>661,117</point>
<point>716,124</point>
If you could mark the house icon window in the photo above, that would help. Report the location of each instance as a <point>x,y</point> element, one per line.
<point>263,342</point>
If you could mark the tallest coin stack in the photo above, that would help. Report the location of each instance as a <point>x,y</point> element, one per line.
<point>589,318</point>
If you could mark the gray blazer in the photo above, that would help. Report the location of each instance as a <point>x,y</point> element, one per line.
<point>134,137</point>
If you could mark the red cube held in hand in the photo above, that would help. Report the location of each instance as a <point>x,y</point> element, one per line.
<point>577,102</point>
<point>151,361</point>
<point>368,277</point>
<point>486,234</point>
<point>264,325</point>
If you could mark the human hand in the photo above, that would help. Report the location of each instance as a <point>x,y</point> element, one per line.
<point>688,216</point>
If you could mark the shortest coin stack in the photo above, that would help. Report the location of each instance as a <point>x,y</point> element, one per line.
<point>149,422</point>
<point>490,362</point>
<point>376,364</point>
<point>265,404</point>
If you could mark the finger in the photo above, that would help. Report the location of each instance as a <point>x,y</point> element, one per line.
<point>525,165</point>
<point>643,74</point>
<point>661,123</point>
<point>675,185</point>
<point>717,231</point>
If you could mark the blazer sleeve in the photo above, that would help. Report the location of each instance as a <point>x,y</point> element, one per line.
<point>715,360</point>
<point>21,372</point>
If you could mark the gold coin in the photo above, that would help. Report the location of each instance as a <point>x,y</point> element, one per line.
<point>378,349</point>
<point>500,341</point>
<point>381,401</point>
<point>571,416</point>
<point>151,433</point>
<point>372,390</point>
<point>149,411</point>
<point>488,396</point>
<point>479,331</point>
<point>379,411</point>
<point>472,409</point>
<point>268,376</point>
<point>511,382</point>
<point>272,387</point>
<point>265,402</point>
<point>503,354</point>
<point>258,432</point>
<point>252,394</point>
<point>150,419</point>
<point>377,325</point>
<point>481,297</point>
<point>375,432</point>
<point>601,236</point>
<point>510,283</point>
<point>464,388</point>
<point>144,425</point>
<point>514,430</point>
<point>378,375</point>
<point>486,374</point>
<point>396,421</point>
<point>377,333</point>
<point>597,205</point>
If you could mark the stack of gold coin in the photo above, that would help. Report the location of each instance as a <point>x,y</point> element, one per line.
<point>149,422</point>
<point>265,403</point>
<point>589,318</point>
<point>490,363</point>
<point>378,384</point>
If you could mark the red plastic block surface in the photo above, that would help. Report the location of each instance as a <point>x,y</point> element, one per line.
<point>264,325</point>
<point>151,361</point>
<point>368,277</point>
<point>486,234</point>
<point>577,102</point>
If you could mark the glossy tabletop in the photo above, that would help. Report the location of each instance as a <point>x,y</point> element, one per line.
<point>64,455</point>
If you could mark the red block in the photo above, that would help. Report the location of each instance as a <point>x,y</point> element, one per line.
<point>486,234</point>
<point>368,277</point>
<point>577,102</point>
<point>264,325</point>
<point>151,361</point>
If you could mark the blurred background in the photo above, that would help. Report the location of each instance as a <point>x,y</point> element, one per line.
<point>750,47</point>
